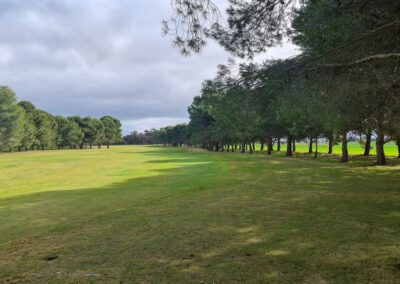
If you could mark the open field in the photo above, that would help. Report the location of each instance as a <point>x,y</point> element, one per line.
<point>156,215</point>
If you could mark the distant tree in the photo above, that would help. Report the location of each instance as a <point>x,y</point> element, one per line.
<point>99,135</point>
<point>26,132</point>
<point>10,114</point>
<point>179,134</point>
<point>68,133</point>
<point>112,130</point>
<point>46,126</point>
<point>29,130</point>
<point>91,128</point>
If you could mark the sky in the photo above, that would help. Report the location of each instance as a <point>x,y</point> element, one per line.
<point>103,57</point>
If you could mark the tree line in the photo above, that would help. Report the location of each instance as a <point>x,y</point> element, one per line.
<point>346,79</point>
<point>171,135</point>
<point>24,127</point>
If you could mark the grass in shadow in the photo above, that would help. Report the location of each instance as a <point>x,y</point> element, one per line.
<point>212,217</point>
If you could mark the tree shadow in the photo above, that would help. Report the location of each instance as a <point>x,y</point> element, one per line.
<point>275,222</point>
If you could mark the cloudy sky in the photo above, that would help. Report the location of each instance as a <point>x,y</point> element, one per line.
<point>98,57</point>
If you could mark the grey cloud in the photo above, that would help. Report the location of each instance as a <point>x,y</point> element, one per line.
<point>97,57</point>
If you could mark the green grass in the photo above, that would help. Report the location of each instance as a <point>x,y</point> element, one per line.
<point>164,215</point>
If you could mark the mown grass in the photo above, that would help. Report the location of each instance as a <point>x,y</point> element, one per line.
<point>165,215</point>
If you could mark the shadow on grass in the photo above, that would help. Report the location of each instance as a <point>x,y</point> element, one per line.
<point>275,220</point>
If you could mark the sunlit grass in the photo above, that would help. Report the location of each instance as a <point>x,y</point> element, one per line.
<point>155,215</point>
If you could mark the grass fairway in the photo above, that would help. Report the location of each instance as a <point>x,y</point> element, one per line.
<point>156,215</point>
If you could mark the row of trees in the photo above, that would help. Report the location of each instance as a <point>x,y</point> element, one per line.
<point>24,127</point>
<point>346,79</point>
<point>170,135</point>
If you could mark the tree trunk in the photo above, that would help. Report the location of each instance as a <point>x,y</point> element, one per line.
<point>262,145</point>
<point>254,145</point>
<point>368,143</point>
<point>380,142</point>
<point>398,148</point>
<point>289,152</point>
<point>310,146</point>
<point>108,145</point>
<point>294,144</point>
<point>222,147</point>
<point>279,144</point>
<point>243,147</point>
<point>316,148</point>
<point>250,148</point>
<point>233,148</point>
<point>269,145</point>
<point>330,144</point>
<point>345,152</point>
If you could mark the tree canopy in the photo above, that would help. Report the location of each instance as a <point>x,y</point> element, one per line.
<point>346,79</point>
<point>24,127</point>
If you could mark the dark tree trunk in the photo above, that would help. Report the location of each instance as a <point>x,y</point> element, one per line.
<point>398,148</point>
<point>243,147</point>
<point>278,144</point>
<point>222,147</point>
<point>269,145</point>
<point>289,152</point>
<point>108,145</point>
<point>262,145</point>
<point>254,145</point>
<point>235,146</point>
<point>91,145</point>
<point>330,144</point>
<point>294,144</point>
<point>310,146</point>
<point>345,152</point>
<point>368,143</point>
<point>380,152</point>
<point>250,148</point>
<point>316,148</point>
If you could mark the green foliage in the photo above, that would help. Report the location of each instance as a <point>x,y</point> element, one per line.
<point>112,130</point>
<point>10,119</point>
<point>345,81</point>
<point>22,126</point>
